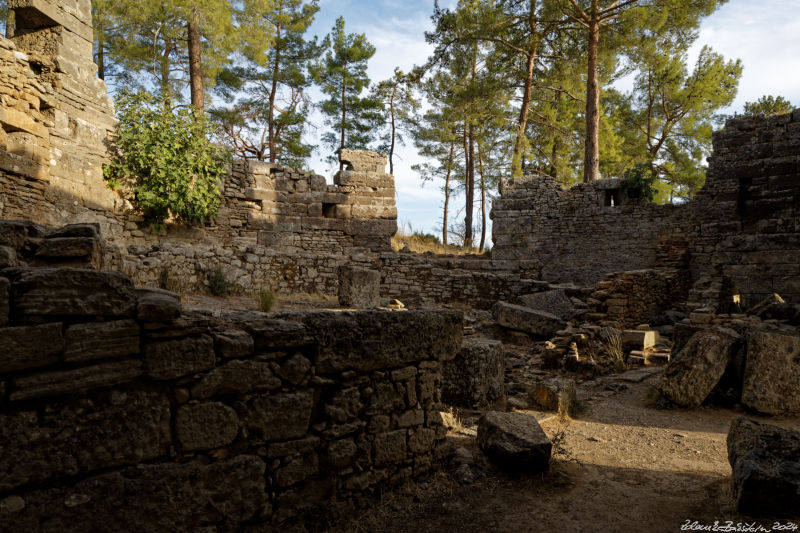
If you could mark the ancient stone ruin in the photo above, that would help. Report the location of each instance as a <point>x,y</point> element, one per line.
<point>122,407</point>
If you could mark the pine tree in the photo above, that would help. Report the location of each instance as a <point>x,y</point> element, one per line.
<point>269,115</point>
<point>768,105</point>
<point>396,96</point>
<point>342,76</point>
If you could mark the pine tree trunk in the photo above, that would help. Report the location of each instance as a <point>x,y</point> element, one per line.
<point>522,123</point>
<point>483,200</point>
<point>271,113</point>
<point>447,191</point>
<point>591,160</point>
<point>391,148</point>
<point>344,116</point>
<point>195,67</point>
<point>470,201</point>
<point>101,67</point>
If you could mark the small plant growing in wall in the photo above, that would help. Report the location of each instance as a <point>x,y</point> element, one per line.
<point>165,156</point>
<point>639,182</point>
<point>218,283</point>
<point>266,299</point>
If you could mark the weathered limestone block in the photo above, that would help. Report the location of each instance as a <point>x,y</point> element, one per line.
<point>359,287</point>
<point>4,284</point>
<point>635,339</point>
<point>100,340</point>
<point>156,305</point>
<point>389,448</point>
<point>692,374</point>
<point>766,468</point>
<point>75,381</point>
<point>205,426</point>
<point>161,497</point>
<point>15,233</point>
<point>556,302</point>
<point>68,292</point>
<point>175,358</point>
<point>295,369</point>
<point>514,441</point>
<point>557,394</point>
<point>237,378</point>
<point>681,335</point>
<point>116,428</point>
<point>8,257</point>
<point>475,378</point>
<point>525,319</point>
<point>279,416</point>
<point>363,161</point>
<point>341,452</point>
<point>30,346</point>
<point>233,343</point>
<point>69,251</point>
<point>271,334</point>
<point>361,340</point>
<point>772,373</point>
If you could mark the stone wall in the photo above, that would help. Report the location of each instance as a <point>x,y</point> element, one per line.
<point>745,223</point>
<point>581,234</point>
<point>55,115</point>
<point>120,411</point>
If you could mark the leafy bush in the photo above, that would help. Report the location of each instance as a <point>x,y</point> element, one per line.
<point>639,182</point>
<point>218,283</point>
<point>166,158</point>
<point>266,299</point>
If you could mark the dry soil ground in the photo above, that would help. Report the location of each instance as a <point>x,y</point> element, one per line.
<point>620,466</point>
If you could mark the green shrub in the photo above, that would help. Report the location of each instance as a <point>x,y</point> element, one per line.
<point>166,158</point>
<point>639,182</point>
<point>266,299</point>
<point>218,283</point>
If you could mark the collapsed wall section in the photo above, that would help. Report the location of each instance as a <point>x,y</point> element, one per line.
<point>581,234</point>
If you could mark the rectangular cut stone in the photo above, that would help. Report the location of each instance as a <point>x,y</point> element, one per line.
<point>525,319</point>
<point>359,287</point>
<point>638,339</point>
<point>176,358</point>
<point>30,346</point>
<point>280,416</point>
<point>72,292</point>
<point>100,340</point>
<point>367,340</point>
<point>118,428</point>
<point>75,381</point>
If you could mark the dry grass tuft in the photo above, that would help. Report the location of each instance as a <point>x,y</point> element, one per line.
<point>612,345</point>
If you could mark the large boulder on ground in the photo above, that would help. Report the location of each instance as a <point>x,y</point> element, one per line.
<point>359,287</point>
<point>526,319</point>
<point>681,334</point>
<point>514,441</point>
<point>691,376</point>
<point>766,468</point>
<point>475,379</point>
<point>555,302</point>
<point>772,373</point>
<point>774,307</point>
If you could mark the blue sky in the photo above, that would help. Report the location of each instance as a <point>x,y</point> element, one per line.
<point>764,34</point>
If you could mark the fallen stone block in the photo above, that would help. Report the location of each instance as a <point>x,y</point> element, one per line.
<point>681,334</point>
<point>475,378</point>
<point>514,441</point>
<point>359,287</point>
<point>772,373</point>
<point>694,372</point>
<point>528,320</point>
<point>766,468</point>
<point>555,302</point>
<point>557,394</point>
<point>636,339</point>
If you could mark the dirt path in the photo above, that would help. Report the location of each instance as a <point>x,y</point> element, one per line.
<point>622,466</point>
